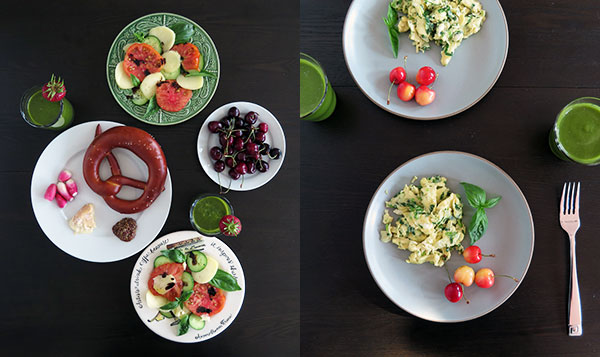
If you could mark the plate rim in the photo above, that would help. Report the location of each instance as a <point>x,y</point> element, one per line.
<point>31,193</point>
<point>176,235</point>
<point>108,77</point>
<point>513,183</point>
<point>283,148</point>
<point>387,109</point>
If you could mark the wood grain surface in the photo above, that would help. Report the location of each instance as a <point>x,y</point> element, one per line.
<point>55,304</point>
<point>551,60</point>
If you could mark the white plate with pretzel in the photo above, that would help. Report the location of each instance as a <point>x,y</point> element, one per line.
<point>67,151</point>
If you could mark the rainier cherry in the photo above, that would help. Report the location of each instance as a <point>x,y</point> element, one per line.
<point>424,95</point>
<point>406,91</point>
<point>397,76</point>
<point>464,275</point>
<point>485,278</point>
<point>473,254</point>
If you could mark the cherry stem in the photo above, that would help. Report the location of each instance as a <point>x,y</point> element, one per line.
<point>445,267</point>
<point>508,276</point>
<point>465,295</point>
<point>390,91</point>
<point>489,255</point>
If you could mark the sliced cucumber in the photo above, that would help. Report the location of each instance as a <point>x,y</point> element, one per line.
<point>208,272</point>
<point>188,281</point>
<point>161,259</point>
<point>172,61</point>
<point>165,35</point>
<point>201,63</point>
<point>196,322</point>
<point>167,314</point>
<point>123,79</point>
<point>196,260</point>
<point>171,75</point>
<point>154,42</point>
<point>148,85</point>
<point>190,82</point>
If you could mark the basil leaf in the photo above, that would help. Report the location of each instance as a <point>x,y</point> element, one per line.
<point>201,73</point>
<point>184,325</point>
<point>139,36</point>
<point>225,281</point>
<point>390,21</point>
<point>170,305</point>
<point>183,32</point>
<point>478,225</point>
<point>475,195</point>
<point>492,202</point>
<point>185,295</point>
<point>393,40</point>
<point>136,82</point>
<point>152,107</point>
<point>392,15</point>
<point>174,254</point>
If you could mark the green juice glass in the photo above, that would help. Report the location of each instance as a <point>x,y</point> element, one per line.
<point>206,212</point>
<point>41,113</point>
<point>575,136</point>
<point>317,98</point>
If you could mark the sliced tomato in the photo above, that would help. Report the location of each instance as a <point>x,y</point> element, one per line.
<point>141,60</point>
<point>171,97</point>
<point>190,54</point>
<point>206,299</point>
<point>174,269</point>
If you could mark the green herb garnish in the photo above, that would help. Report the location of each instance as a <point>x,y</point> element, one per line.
<point>136,82</point>
<point>184,325</point>
<point>185,295</point>
<point>174,254</point>
<point>391,20</point>
<point>477,199</point>
<point>225,281</point>
<point>152,107</point>
<point>201,73</point>
<point>139,36</point>
<point>183,32</point>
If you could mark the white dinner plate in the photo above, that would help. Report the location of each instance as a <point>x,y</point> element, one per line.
<point>218,322</point>
<point>472,72</point>
<point>419,289</point>
<point>66,151</point>
<point>275,138</point>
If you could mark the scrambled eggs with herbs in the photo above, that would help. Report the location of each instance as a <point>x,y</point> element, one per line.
<point>429,221</point>
<point>446,22</point>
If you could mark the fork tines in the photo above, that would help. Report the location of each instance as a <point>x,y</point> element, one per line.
<point>569,201</point>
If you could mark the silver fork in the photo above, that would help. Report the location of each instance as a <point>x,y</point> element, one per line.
<point>569,221</point>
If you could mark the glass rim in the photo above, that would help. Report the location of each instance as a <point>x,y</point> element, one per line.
<point>559,146</point>
<point>326,84</point>
<point>25,104</point>
<point>196,199</point>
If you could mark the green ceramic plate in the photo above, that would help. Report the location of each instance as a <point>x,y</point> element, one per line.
<point>200,98</point>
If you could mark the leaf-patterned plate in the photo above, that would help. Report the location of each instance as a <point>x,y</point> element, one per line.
<point>200,97</point>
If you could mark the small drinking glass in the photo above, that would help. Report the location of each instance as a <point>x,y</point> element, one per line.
<point>206,212</point>
<point>41,113</point>
<point>317,98</point>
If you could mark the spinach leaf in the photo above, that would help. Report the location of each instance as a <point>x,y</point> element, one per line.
<point>201,73</point>
<point>225,281</point>
<point>174,254</point>
<point>136,82</point>
<point>183,32</point>
<point>152,107</point>
<point>184,325</point>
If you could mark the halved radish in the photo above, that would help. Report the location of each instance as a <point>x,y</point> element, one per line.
<point>165,35</point>
<point>173,61</point>
<point>190,82</point>
<point>123,79</point>
<point>148,85</point>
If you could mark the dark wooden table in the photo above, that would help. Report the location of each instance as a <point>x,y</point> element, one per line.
<point>552,59</point>
<point>54,304</point>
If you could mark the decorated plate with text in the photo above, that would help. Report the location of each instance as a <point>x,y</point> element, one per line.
<point>168,327</point>
<point>200,97</point>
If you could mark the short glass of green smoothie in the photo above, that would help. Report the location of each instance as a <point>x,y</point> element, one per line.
<point>42,113</point>
<point>575,135</point>
<point>206,212</point>
<point>317,98</point>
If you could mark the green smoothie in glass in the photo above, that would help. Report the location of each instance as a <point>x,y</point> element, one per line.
<point>317,98</point>
<point>206,212</point>
<point>576,132</point>
<point>40,112</point>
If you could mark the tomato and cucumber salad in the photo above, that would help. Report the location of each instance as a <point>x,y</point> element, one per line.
<point>162,68</point>
<point>188,287</point>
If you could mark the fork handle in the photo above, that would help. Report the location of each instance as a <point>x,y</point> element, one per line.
<point>575,328</point>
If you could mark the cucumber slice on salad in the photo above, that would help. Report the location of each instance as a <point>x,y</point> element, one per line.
<point>171,75</point>
<point>139,99</point>
<point>165,35</point>
<point>167,314</point>
<point>188,281</point>
<point>208,272</point>
<point>154,42</point>
<point>161,259</point>
<point>196,261</point>
<point>196,322</point>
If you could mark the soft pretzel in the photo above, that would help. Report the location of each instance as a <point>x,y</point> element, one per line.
<point>141,144</point>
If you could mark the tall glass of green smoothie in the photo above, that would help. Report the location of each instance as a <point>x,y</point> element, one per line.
<point>317,98</point>
<point>575,135</point>
<point>42,113</point>
<point>206,213</point>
